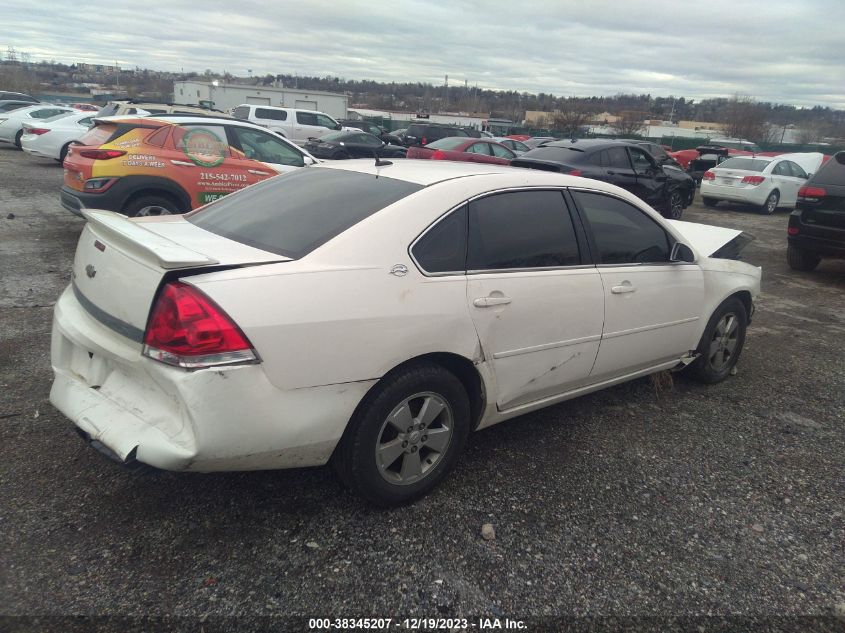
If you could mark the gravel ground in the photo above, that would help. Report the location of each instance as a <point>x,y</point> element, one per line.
<point>689,501</point>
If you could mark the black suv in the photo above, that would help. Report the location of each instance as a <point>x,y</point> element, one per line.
<point>622,163</point>
<point>425,133</point>
<point>371,128</point>
<point>817,225</point>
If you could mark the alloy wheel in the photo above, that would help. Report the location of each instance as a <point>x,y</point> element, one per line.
<point>724,342</point>
<point>414,438</point>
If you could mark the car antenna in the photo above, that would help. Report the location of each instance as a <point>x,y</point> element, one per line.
<point>380,162</point>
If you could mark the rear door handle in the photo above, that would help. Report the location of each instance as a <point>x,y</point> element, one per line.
<point>182,163</point>
<point>258,172</point>
<point>624,288</point>
<point>488,302</point>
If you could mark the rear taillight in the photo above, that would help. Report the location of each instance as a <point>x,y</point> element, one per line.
<point>38,131</point>
<point>708,175</point>
<point>575,172</point>
<point>753,180</point>
<point>101,154</point>
<point>424,141</point>
<point>187,329</point>
<point>438,155</point>
<point>792,230</point>
<point>812,193</point>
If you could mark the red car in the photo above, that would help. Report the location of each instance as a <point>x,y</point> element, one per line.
<point>473,150</point>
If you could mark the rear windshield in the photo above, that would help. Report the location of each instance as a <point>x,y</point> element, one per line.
<point>293,214</point>
<point>448,143</point>
<point>109,109</point>
<point>98,134</point>
<point>748,164</point>
<point>832,172</point>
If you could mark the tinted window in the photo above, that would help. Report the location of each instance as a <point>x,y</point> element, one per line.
<point>443,248</point>
<point>306,118</point>
<point>641,161</point>
<point>448,143</point>
<point>241,112</point>
<point>623,233</point>
<point>369,139</point>
<point>521,229</point>
<point>748,164</point>
<point>326,121</point>
<point>618,157</point>
<point>831,173</point>
<point>501,151</point>
<point>265,147</point>
<point>294,213</point>
<point>268,113</point>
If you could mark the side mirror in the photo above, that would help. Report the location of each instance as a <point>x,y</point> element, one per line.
<point>338,127</point>
<point>809,175</point>
<point>681,253</point>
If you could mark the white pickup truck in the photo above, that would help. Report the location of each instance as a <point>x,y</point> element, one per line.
<point>292,123</point>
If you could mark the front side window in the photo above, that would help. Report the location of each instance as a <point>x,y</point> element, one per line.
<point>306,118</point>
<point>623,234</point>
<point>521,229</point>
<point>326,121</point>
<point>499,151</point>
<point>443,248</point>
<point>797,170</point>
<point>265,147</point>
<point>782,169</point>
<point>641,161</point>
<point>369,139</point>
<point>478,148</point>
<point>618,157</point>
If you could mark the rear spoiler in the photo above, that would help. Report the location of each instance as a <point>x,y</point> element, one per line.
<point>134,237</point>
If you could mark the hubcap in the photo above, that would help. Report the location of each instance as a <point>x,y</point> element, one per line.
<point>724,342</point>
<point>771,203</point>
<point>675,205</point>
<point>152,210</point>
<point>414,438</point>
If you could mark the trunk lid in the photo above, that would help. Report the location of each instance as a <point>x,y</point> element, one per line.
<point>120,264</point>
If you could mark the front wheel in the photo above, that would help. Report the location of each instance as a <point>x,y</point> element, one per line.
<point>406,435</point>
<point>722,342</point>
<point>799,259</point>
<point>771,203</point>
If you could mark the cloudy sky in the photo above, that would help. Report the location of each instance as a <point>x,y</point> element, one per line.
<point>781,51</point>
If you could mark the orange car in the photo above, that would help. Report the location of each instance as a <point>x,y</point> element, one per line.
<point>170,163</point>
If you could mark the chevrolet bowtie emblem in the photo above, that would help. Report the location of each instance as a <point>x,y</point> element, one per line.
<point>90,271</point>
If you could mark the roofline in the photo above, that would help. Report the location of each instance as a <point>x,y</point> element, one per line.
<point>268,88</point>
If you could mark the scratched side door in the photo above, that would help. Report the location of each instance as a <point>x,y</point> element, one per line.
<point>537,304</point>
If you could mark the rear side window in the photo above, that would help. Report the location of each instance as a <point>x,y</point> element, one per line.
<point>521,229</point>
<point>443,248</point>
<point>832,172</point>
<point>241,112</point>
<point>623,234</point>
<point>294,213</point>
<point>267,113</point>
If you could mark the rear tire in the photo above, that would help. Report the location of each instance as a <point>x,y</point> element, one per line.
<point>709,202</point>
<point>18,139</point>
<point>63,153</point>
<point>771,203</point>
<point>721,344</point>
<point>799,259</point>
<point>151,205</point>
<point>392,452</point>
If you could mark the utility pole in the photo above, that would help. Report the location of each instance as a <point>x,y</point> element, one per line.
<point>446,107</point>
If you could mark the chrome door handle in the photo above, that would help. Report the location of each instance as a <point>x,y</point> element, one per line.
<point>624,288</point>
<point>182,163</point>
<point>488,302</point>
<point>258,172</point>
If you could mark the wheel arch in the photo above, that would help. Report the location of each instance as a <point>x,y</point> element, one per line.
<point>150,186</point>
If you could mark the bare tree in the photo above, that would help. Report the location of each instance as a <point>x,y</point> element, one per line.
<point>572,118</point>
<point>628,123</point>
<point>812,131</point>
<point>746,119</point>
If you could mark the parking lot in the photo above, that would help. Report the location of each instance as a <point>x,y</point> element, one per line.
<point>646,499</point>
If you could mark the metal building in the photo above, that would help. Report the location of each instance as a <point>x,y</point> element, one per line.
<point>226,96</point>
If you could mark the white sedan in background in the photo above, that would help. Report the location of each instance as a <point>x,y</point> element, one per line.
<point>11,123</point>
<point>374,314</point>
<point>766,182</point>
<point>50,138</point>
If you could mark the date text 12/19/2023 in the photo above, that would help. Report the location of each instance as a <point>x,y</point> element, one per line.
<point>416,624</point>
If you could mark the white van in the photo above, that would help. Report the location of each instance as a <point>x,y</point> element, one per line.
<point>292,123</point>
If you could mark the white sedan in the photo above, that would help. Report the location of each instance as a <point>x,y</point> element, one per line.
<point>50,138</point>
<point>762,181</point>
<point>375,314</point>
<point>11,123</point>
